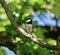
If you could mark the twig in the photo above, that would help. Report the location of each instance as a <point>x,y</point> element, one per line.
<point>27,35</point>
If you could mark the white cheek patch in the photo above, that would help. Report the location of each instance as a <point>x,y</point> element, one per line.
<point>28,20</point>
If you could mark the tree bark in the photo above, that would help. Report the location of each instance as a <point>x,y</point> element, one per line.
<point>27,35</point>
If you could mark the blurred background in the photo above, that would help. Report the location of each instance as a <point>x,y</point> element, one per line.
<point>12,39</point>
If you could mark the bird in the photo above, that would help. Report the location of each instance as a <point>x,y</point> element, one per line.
<point>28,25</point>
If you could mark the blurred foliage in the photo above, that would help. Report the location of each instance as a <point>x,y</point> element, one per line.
<point>21,11</point>
<point>57,8</point>
<point>2,52</point>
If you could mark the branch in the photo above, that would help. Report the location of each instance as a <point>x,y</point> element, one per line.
<point>29,36</point>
